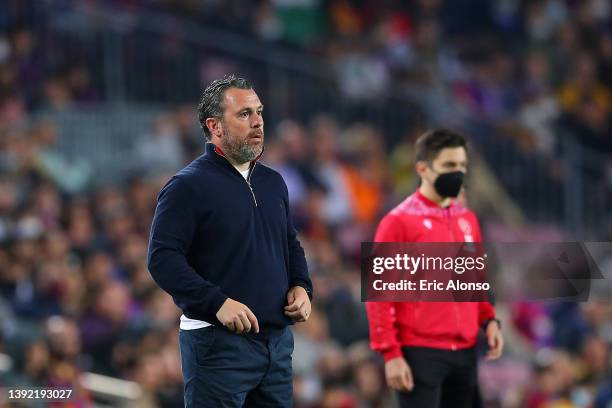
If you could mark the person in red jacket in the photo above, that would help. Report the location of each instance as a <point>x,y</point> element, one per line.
<point>429,347</point>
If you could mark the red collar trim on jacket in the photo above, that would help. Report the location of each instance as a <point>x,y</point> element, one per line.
<point>219,151</point>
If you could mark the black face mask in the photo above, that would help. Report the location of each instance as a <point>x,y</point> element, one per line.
<point>449,184</point>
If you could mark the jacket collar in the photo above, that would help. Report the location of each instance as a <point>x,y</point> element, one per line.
<point>431,203</point>
<point>215,153</point>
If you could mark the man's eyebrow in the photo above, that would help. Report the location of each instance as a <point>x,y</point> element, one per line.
<point>249,109</point>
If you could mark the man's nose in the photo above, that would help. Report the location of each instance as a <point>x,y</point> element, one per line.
<point>257,121</point>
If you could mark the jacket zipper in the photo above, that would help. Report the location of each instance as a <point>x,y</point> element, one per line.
<point>248,181</point>
<point>450,229</point>
<point>448,224</point>
<point>252,193</point>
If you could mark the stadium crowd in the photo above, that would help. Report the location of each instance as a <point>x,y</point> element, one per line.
<point>75,293</point>
<point>527,80</point>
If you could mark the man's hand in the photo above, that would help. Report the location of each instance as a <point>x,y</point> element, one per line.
<point>399,375</point>
<point>495,341</point>
<point>237,317</point>
<point>298,307</point>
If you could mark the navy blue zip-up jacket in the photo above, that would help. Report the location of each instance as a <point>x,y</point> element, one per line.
<point>216,235</point>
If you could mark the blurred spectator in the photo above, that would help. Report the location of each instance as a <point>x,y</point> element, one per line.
<point>587,103</point>
<point>105,322</point>
<point>367,176</point>
<point>335,207</point>
<point>70,176</point>
<point>189,132</point>
<point>360,73</point>
<point>161,149</point>
<point>540,108</point>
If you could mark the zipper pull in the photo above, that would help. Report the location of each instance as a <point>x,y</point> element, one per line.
<point>248,180</point>
<point>253,194</point>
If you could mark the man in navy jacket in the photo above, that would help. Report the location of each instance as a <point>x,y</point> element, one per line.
<point>223,245</point>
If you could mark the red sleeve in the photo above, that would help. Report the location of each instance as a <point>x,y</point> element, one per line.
<point>383,333</point>
<point>486,310</point>
<point>381,315</point>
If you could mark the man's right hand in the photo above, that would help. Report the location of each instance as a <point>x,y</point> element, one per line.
<point>399,375</point>
<point>237,317</point>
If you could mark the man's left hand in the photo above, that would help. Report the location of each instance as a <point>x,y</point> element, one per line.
<point>298,307</point>
<point>495,341</point>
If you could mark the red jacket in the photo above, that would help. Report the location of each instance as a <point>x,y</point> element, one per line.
<point>443,325</point>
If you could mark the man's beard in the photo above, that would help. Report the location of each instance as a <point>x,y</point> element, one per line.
<point>240,151</point>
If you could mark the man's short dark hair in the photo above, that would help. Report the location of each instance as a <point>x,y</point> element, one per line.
<point>211,101</point>
<point>429,144</point>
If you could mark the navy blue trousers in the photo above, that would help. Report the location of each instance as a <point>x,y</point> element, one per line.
<point>222,369</point>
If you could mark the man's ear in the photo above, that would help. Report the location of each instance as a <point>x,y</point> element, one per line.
<point>421,168</point>
<point>214,126</point>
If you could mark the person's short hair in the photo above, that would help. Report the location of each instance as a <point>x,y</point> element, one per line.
<point>211,101</point>
<point>430,143</point>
